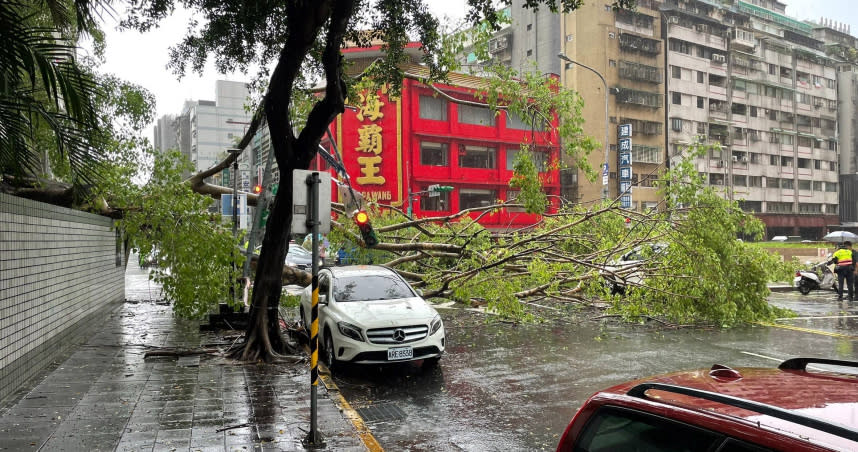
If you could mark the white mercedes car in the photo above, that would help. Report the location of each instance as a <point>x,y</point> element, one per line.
<point>369,314</point>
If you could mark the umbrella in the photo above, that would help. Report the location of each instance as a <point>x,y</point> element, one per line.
<point>840,237</point>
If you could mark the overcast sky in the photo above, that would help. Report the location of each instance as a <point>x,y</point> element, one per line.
<point>142,59</point>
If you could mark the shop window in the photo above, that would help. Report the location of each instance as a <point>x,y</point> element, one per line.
<point>477,157</point>
<point>433,108</point>
<point>514,121</point>
<point>434,154</point>
<point>474,197</point>
<point>476,115</point>
<point>540,159</point>
<point>512,194</point>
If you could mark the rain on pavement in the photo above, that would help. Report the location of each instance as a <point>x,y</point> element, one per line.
<point>515,387</point>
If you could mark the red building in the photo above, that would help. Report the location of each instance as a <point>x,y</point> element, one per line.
<point>395,148</point>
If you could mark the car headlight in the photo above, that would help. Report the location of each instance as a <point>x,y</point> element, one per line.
<point>350,331</point>
<point>435,325</point>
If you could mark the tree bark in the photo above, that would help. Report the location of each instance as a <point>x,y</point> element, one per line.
<point>263,340</point>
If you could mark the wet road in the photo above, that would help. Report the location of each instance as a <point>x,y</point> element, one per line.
<point>507,387</point>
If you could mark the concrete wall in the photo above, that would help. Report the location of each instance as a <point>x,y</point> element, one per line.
<point>60,269</point>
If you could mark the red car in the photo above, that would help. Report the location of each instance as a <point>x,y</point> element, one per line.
<point>788,409</point>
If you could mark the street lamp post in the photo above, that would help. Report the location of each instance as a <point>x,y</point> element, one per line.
<point>234,210</point>
<point>563,57</point>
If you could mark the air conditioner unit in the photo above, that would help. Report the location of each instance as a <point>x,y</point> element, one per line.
<point>673,20</point>
<point>744,159</point>
<point>735,158</point>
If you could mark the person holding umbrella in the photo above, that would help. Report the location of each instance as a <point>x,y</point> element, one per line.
<point>845,268</point>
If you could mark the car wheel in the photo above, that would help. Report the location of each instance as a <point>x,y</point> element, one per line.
<point>804,287</point>
<point>330,352</point>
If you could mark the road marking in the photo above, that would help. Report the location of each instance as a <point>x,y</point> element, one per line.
<point>763,356</point>
<point>334,393</point>
<point>808,330</point>
<point>363,431</point>
<point>828,317</point>
<point>776,359</point>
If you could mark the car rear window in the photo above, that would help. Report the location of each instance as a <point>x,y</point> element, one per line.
<point>370,287</point>
<point>622,430</point>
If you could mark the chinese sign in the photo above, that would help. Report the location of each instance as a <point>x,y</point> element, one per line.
<point>371,144</point>
<point>624,155</point>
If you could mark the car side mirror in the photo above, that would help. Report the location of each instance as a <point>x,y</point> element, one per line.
<point>419,292</point>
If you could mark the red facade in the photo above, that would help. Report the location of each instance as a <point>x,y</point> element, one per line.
<point>395,148</point>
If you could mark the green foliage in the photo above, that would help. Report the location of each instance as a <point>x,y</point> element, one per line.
<point>290,301</point>
<point>193,251</point>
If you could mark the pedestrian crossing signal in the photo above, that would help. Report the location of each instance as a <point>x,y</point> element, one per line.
<point>367,233</point>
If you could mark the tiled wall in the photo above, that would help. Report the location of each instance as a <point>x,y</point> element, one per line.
<point>58,268</point>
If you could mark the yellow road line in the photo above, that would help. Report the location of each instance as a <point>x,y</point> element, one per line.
<point>363,431</point>
<point>808,330</point>
<point>334,393</point>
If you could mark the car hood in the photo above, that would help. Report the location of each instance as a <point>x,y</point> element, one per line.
<point>382,313</point>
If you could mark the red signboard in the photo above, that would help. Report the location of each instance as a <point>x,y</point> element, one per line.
<point>371,142</point>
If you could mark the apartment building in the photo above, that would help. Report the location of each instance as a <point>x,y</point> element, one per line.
<point>625,49</point>
<point>759,85</point>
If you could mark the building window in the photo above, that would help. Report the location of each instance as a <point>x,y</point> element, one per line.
<point>476,115</point>
<point>817,185</point>
<point>433,108</point>
<point>437,203</point>
<point>529,52</point>
<point>540,159</point>
<point>477,157</point>
<point>676,98</point>
<point>830,187</point>
<point>700,102</point>
<point>753,111</point>
<point>434,154</point>
<point>474,197</point>
<point>700,77</point>
<point>676,72</point>
<point>529,27</point>
<point>513,194</point>
<point>612,63</point>
<point>773,69</point>
<point>755,181</point>
<point>514,121</point>
<point>676,124</point>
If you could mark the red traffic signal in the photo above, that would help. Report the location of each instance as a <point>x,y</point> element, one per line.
<point>257,189</point>
<point>367,233</point>
<point>361,218</point>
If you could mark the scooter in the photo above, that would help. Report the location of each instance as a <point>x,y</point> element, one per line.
<point>807,280</point>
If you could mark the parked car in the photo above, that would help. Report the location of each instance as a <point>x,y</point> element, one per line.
<point>790,408</point>
<point>300,257</point>
<point>625,270</point>
<point>369,314</point>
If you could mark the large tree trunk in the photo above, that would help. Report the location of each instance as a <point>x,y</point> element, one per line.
<point>306,20</point>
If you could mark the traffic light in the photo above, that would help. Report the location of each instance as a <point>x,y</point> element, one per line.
<point>628,222</point>
<point>257,189</point>
<point>366,231</point>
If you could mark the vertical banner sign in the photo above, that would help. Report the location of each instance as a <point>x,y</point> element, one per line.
<point>624,155</point>
<point>371,146</point>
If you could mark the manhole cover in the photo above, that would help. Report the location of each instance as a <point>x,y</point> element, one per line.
<point>381,412</point>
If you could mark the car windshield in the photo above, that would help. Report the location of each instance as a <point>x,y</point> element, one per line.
<point>297,250</point>
<point>370,287</point>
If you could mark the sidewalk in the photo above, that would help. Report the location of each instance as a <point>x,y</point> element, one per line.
<point>106,396</point>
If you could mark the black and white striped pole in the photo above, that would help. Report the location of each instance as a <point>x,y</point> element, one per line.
<point>317,187</point>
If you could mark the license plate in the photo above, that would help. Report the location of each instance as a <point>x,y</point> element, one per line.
<point>399,353</point>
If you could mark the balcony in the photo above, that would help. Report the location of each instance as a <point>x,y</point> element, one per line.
<point>640,72</point>
<point>743,39</point>
<point>642,98</point>
<point>639,44</point>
